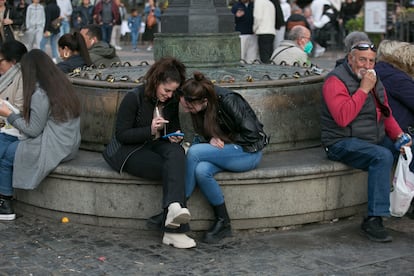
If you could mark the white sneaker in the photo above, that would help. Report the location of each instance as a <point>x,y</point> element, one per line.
<point>178,240</point>
<point>319,51</point>
<point>149,48</point>
<point>176,216</point>
<point>118,47</point>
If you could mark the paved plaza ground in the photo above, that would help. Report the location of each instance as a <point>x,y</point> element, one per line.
<point>39,246</point>
<point>33,245</point>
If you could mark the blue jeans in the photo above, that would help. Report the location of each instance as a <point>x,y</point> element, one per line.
<point>205,160</point>
<point>106,32</point>
<point>134,39</point>
<point>64,27</point>
<point>378,160</point>
<point>8,146</point>
<point>53,44</point>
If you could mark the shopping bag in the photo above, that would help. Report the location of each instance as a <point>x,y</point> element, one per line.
<point>403,185</point>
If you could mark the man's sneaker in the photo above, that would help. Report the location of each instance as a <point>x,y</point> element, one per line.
<point>319,51</point>
<point>372,227</point>
<point>6,210</point>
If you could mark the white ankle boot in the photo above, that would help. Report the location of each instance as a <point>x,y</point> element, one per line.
<point>177,215</point>
<point>178,240</point>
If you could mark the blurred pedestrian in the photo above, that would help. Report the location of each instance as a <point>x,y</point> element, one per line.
<point>134,24</point>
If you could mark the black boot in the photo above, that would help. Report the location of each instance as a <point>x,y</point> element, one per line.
<point>6,208</point>
<point>221,227</point>
<point>155,222</point>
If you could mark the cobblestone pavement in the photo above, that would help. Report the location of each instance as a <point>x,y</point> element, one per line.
<point>40,246</point>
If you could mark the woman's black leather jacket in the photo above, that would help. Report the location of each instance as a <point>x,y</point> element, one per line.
<point>237,118</point>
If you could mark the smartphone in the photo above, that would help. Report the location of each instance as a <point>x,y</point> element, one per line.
<point>172,134</point>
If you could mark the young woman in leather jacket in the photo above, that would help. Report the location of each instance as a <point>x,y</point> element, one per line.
<point>144,116</point>
<point>234,142</point>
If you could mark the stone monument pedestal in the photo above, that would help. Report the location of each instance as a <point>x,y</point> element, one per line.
<point>199,50</point>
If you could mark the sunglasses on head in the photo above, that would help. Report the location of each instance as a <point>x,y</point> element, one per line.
<point>364,47</point>
<point>188,99</point>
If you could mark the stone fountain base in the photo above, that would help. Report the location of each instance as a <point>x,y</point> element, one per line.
<point>288,188</point>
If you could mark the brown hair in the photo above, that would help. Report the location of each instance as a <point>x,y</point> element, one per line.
<point>164,70</point>
<point>205,123</point>
<point>38,68</point>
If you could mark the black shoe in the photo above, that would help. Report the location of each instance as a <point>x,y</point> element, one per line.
<point>218,231</point>
<point>155,222</point>
<point>372,227</point>
<point>6,209</point>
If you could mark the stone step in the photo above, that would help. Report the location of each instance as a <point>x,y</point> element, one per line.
<point>288,188</point>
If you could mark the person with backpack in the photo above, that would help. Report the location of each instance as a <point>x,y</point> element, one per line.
<point>324,20</point>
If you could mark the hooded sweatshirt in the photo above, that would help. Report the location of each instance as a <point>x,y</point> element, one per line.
<point>103,53</point>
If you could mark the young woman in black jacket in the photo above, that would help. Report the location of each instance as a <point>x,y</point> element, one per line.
<point>234,142</point>
<point>138,147</point>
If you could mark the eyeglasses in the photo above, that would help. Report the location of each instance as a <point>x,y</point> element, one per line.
<point>308,38</point>
<point>364,47</point>
<point>188,99</point>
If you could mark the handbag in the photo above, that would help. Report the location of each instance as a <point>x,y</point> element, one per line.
<point>151,20</point>
<point>403,185</point>
<point>56,23</point>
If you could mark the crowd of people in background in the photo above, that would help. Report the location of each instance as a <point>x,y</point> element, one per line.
<point>263,24</point>
<point>39,24</point>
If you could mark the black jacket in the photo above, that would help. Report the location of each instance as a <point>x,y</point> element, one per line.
<point>71,64</point>
<point>52,11</point>
<point>133,126</point>
<point>8,29</point>
<point>239,121</point>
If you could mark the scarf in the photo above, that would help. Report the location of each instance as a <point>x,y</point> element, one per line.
<point>8,77</point>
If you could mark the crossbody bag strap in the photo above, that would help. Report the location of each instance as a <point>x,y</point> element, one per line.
<point>281,51</point>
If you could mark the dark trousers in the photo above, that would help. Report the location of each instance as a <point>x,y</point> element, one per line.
<point>265,42</point>
<point>106,32</point>
<point>162,160</point>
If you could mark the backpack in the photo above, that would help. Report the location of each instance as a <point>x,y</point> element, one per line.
<point>151,20</point>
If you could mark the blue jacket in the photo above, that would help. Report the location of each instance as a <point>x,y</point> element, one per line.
<point>134,23</point>
<point>243,24</point>
<point>400,91</point>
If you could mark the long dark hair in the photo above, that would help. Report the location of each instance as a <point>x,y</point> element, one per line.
<point>76,43</point>
<point>164,70</point>
<point>197,89</point>
<point>13,50</point>
<point>38,68</point>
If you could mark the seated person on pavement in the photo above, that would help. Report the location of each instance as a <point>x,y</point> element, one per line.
<point>359,130</point>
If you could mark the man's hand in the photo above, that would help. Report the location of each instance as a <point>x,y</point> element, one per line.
<point>368,81</point>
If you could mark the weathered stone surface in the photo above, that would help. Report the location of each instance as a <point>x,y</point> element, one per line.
<point>292,187</point>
